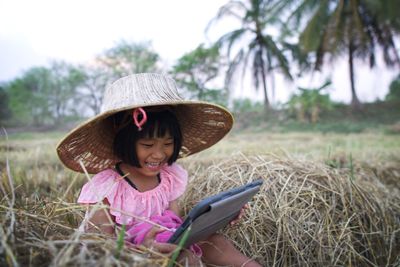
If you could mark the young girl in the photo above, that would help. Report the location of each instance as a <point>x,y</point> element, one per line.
<point>132,146</point>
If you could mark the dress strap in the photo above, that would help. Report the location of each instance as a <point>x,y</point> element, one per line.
<point>120,172</point>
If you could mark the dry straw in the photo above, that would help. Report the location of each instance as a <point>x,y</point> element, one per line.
<point>306,214</point>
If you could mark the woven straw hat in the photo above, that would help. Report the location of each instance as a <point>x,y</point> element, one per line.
<point>202,124</point>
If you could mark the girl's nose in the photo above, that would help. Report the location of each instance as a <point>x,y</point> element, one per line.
<point>158,153</point>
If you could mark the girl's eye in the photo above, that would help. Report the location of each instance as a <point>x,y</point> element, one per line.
<point>146,145</point>
<point>169,144</point>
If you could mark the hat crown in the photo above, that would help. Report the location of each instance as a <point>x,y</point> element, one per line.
<point>141,89</point>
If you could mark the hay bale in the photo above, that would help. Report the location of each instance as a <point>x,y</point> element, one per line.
<point>387,172</point>
<point>307,214</point>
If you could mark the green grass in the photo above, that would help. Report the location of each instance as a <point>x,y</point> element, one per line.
<point>21,136</point>
<point>40,149</point>
<point>317,146</point>
<point>376,117</point>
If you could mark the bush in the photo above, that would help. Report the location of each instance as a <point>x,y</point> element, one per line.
<point>394,90</point>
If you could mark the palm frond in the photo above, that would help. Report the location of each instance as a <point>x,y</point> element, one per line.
<point>306,7</point>
<point>309,38</point>
<point>297,53</point>
<point>232,67</point>
<point>277,53</point>
<point>229,10</point>
<point>230,38</point>
<point>359,19</point>
<point>226,10</point>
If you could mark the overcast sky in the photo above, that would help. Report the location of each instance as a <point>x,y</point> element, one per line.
<point>33,32</point>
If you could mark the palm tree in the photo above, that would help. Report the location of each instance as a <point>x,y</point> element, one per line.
<point>253,44</point>
<point>352,27</point>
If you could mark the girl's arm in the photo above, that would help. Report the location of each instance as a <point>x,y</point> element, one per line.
<point>174,206</point>
<point>101,220</point>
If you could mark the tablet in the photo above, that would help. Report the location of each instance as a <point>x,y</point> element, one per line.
<point>214,212</point>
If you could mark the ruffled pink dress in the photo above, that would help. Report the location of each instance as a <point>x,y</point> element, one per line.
<point>127,204</point>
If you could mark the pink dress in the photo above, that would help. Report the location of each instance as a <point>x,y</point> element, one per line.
<point>127,204</point>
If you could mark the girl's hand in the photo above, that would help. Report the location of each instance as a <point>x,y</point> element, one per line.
<point>150,242</point>
<point>241,214</point>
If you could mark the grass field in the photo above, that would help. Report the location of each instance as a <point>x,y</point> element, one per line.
<point>38,194</point>
<point>29,149</point>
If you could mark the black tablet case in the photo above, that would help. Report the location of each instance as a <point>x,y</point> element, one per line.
<point>214,212</point>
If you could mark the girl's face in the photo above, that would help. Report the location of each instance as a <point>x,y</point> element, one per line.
<point>152,153</point>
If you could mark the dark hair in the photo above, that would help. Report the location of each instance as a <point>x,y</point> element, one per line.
<point>158,124</point>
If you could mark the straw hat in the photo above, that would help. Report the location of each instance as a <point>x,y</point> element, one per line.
<point>202,124</point>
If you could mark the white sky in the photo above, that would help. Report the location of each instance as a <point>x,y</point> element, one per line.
<point>33,32</point>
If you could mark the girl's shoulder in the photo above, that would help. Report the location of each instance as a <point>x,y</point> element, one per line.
<point>105,176</point>
<point>175,178</point>
<point>175,170</point>
<point>99,186</point>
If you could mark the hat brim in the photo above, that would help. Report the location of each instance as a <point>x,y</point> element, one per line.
<point>91,143</point>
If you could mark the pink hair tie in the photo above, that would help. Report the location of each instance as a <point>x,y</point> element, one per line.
<point>135,114</point>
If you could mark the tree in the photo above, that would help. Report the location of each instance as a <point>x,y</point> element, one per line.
<point>5,112</point>
<point>352,27</point>
<point>94,83</point>
<point>196,69</point>
<point>394,90</point>
<point>308,104</point>
<point>44,96</point>
<point>127,58</point>
<point>28,96</point>
<point>255,46</point>
<point>65,80</point>
<point>123,59</point>
<point>246,105</point>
